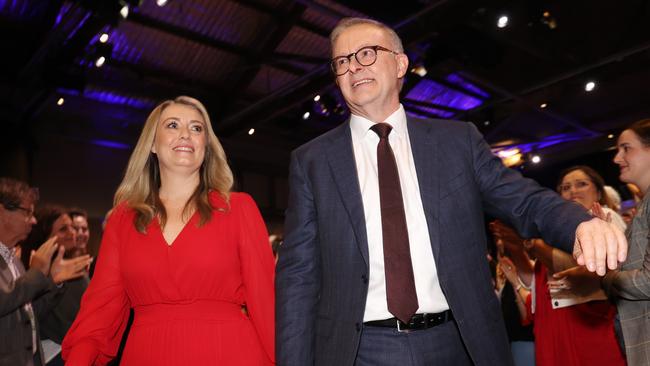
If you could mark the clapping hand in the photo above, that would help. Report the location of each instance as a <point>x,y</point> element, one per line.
<point>68,269</point>
<point>509,270</point>
<point>577,279</point>
<point>597,211</point>
<point>41,258</point>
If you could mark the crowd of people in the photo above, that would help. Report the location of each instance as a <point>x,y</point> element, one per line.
<point>383,259</point>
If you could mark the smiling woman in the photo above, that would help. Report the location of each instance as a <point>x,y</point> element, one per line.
<point>184,253</point>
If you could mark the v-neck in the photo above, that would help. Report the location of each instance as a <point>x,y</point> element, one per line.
<point>180,233</point>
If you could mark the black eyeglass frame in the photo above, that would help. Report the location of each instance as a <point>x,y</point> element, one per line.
<point>375,48</point>
<point>28,211</point>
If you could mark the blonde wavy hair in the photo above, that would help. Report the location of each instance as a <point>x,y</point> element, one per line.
<point>139,189</point>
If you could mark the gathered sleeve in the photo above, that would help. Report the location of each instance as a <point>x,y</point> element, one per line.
<point>258,272</point>
<point>95,335</point>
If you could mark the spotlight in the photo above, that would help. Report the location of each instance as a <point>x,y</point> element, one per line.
<point>124,12</point>
<point>100,61</point>
<point>590,86</point>
<point>536,159</point>
<point>161,3</point>
<point>610,136</point>
<point>103,38</point>
<point>503,21</point>
<point>252,130</point>
<point>419,70</point>
<point>306,115</point>
<point>543,105</point>
<point>486,123</point>
<point>100,53</point>
<point>60,101</point>
<point>316,98</point>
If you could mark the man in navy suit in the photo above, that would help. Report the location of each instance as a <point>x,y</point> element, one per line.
<point>337,303</point>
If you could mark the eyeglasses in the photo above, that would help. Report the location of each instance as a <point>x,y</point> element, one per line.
<point>365,56</point>
<point>579,185</point>
<point>29,212</point>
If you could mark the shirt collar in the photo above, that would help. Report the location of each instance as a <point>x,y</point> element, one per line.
<point>6,253</point>
<point>360,126</point>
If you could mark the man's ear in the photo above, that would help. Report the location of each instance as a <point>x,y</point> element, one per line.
<point>402,65</point>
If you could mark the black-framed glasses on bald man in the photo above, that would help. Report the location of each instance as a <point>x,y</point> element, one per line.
<point>365,56</point>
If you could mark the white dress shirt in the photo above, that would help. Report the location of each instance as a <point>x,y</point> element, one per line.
<point>364,141</point>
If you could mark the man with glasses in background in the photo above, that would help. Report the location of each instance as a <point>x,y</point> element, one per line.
<point>383,261</point>
<point>26,294</point>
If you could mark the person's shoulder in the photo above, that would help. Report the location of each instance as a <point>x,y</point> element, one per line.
<point>440,125</point>
<point>236,200</point>
<point>240,198</point>
<point>317,144</point>
<point>120,212</point>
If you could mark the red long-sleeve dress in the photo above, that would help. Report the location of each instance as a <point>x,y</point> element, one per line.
<point>187,297</point>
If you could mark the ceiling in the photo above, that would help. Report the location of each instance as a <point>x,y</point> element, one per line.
<point>260,64</point>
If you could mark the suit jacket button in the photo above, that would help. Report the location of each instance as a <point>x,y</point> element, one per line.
<point>358,326</point>
<point>364,278</point>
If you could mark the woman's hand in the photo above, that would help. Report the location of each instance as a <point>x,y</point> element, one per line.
<point>576,279</point>
<point>597,211</point>
<point>67,269</point>
<point>509,270</point>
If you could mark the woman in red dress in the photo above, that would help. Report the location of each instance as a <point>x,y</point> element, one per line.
<point>184,253</point>
<point>573,320</point>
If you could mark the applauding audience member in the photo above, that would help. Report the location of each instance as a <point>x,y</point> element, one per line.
<point>26,295</point>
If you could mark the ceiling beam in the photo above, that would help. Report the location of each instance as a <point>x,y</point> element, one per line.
<point>265,8</point>
<point>268,42</point>
<point>244,52</point>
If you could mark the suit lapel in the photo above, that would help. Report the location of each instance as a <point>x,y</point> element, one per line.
<point>424,146</point>
<point>344,171</point>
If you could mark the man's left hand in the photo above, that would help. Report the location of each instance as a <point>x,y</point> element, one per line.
<point>599,245</point>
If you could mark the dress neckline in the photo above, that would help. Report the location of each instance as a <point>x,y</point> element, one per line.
<point>180,233</point>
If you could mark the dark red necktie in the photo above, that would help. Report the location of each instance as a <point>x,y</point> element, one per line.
<point>400,284</point>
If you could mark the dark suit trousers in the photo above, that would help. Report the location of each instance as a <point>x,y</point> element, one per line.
<point>439,345</point>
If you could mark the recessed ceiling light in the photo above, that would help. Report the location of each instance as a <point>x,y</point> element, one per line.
<point>306,115</point>
<point>591,85</point>
<point>610,136</point>
<point>317,98</point>
<point>103,38</point>
<point>161,2</point>
<point>100,61</point>
<point>60,101</point>
<point>124,12</point>
<point>251,131</point>
<point>536,159</point>
<point>543,105</point>
<point>420,70</point>
<point>503,21</point>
